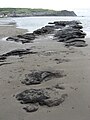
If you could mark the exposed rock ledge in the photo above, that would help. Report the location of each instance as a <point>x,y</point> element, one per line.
<point>68,32</point>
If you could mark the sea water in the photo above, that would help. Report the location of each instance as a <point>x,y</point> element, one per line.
<point>33,23</point>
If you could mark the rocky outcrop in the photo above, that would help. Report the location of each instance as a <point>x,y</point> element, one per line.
<point>17,52</point>
<point>33,96</point>
<point>64,23</point>
<point>51,96</point>
<point>29,37</point>
<point>48,96</point>
<point>25,38</point>
<point>44,30</point>
<point>71,33</point>
<point>36,77</point>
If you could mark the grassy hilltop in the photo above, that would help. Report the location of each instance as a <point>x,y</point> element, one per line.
<point>16,12</point>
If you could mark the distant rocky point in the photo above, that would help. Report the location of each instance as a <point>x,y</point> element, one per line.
<point>27,12</point>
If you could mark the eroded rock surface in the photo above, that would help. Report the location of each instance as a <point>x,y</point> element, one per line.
<point>25,38</point>
<point>44,30</point>
<point>17,52</point>
<point>64,31</point>
<point>71,34</point>
<point>31,108</point>
<point>36,77</point>
<point>42,97</point>
<point>33,96</point>
<point>29,37</point>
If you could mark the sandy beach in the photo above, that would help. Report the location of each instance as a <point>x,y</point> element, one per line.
<point>51,55</point>
<point>7,30</point>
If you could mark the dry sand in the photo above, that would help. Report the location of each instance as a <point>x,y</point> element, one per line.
<point>76,83</point>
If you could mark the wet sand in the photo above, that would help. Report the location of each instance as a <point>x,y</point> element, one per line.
<point>8,30</point>
<point>76,81</point>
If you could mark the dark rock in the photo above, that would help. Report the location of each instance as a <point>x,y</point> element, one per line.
<point>5,64</point>
<point>43,30</point>
<point>64,23</point>
<point>48,97</point>
<point>54,102</point>
<point>60,87</point>
<point>31,108</point>
<point>18,52</point>
<point>75,40</point>
<point>76,44</point>
<point>76,26</point>
<point>36,77</point>
<point>16,39</point>
<point>32,96</point>
<point>20,38</point>
<point>67,34</point>
<point>2,58</point>
<point>25,38</point>
<point>63,30</point>
<point>61,60</point>
<point>71,33</point>
<point>29,36</point>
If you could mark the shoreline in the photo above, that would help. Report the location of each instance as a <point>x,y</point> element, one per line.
<point>51,55</point>
<point>6,31</point>
<point>9,30</point>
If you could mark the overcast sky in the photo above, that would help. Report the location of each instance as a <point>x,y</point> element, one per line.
<point>48,4</point>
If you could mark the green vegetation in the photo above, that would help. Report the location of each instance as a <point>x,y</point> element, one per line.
<point>22,10</point>
<point>34,12</point>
